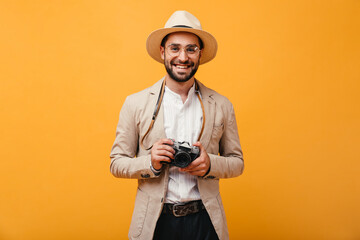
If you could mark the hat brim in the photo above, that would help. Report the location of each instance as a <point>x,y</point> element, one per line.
<point>153,43</point>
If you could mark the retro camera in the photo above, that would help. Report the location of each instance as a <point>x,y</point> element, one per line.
<point>184,154</point>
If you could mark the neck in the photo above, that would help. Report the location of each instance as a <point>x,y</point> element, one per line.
<point>181,88</point>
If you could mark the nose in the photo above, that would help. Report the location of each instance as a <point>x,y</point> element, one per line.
<point>183,56</point>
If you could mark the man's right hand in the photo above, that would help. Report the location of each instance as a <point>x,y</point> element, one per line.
<point>161,152</point>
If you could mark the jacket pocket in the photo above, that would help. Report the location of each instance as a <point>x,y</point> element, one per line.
<point>139,214</point>
<point>217,130</point>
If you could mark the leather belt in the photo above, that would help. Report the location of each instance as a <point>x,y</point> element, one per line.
<point>183,209</point>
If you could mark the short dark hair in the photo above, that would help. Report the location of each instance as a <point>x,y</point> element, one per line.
<point>167,36</point>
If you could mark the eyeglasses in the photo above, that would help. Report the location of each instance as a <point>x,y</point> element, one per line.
<point>190,50</point>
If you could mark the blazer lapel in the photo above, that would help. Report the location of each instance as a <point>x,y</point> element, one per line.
<point>157,132</point>
<point>158,129</point>
<point>209,108</point>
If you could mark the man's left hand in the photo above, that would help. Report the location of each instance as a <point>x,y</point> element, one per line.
<point>199,166</point>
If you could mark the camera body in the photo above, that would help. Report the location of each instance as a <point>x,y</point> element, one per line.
<point>184,154</point>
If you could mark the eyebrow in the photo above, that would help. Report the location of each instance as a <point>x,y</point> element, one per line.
<point>177,44</point>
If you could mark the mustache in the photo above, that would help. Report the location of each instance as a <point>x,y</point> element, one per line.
<point>187,62</point>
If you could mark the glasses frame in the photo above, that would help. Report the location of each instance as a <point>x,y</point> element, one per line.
<point>183,48</point>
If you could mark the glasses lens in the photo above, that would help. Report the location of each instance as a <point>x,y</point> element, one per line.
<point>190,50</point>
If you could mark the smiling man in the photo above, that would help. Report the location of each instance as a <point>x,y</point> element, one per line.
<point>178,138</point>
<point>179,64</point>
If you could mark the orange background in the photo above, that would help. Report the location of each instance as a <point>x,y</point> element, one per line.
<point>291,69</point>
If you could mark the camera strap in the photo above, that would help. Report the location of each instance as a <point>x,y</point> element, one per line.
<point>157,108</point>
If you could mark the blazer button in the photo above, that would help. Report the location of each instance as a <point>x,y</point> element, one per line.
<point>145,175</point>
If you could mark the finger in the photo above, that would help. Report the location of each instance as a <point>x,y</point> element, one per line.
<point>162,159</point>
<point>160,142</point>
<point>190,167</point>
<point>201,167</point>
<point>203,153</point>
<point>164,153</point>
<point>194,167</point>
<point>199,145</point>
<point>164,144</point>
<point>166,141</point>
<point>166,148</point>
<point>197,173</point>
<point>194,164</point>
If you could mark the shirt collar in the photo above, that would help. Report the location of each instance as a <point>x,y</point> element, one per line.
<point>190,93</point>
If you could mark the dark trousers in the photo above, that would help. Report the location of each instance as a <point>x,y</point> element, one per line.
<point>195,226</point>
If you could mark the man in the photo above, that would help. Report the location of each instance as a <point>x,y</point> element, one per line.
<point>176,201</point>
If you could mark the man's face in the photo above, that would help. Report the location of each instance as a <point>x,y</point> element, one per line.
<point>181,66</point>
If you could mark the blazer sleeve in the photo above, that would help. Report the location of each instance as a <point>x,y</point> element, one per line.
<point>124,162</point>
<point>229,162</point>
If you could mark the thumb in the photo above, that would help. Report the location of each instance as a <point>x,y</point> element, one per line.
<point>200,146</point>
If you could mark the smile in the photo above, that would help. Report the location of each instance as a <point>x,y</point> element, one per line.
<point>181,66</point>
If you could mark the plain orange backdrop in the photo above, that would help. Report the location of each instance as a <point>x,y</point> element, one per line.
<point>291,69</point>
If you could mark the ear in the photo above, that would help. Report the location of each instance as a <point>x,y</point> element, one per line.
<point>162,52</point>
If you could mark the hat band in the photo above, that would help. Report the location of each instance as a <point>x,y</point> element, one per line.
<point>181,26</point>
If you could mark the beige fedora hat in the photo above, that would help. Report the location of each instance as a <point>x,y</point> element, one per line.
<point>182,21</point>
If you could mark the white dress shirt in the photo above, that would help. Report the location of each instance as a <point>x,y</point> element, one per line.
<point>182,122</point>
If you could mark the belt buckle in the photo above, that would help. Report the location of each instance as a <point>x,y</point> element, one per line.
<point>180,210</point>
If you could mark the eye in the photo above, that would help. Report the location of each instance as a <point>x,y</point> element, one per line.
<point>191,50</point>
<point>174,48</point>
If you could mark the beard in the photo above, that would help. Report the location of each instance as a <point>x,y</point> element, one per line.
<point>181,77</point>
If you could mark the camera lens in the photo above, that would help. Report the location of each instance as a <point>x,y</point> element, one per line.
<point>182,159</point>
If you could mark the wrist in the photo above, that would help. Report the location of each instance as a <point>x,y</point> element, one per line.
<point>154,170</point>
<point>208,171</point>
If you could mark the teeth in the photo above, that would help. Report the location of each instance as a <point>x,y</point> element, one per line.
<point>182,67</point>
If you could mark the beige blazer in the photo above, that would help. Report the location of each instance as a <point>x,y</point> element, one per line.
<point>129,160</point>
